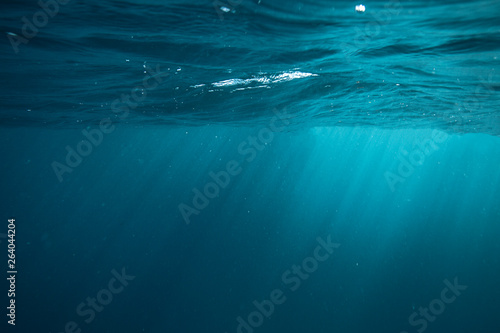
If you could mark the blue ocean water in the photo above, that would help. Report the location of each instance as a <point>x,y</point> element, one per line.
<point>250,166</point>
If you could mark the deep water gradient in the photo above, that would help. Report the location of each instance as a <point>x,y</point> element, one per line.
<point>252,166</point>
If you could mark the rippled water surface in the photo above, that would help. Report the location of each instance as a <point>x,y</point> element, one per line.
<point>396,65</point>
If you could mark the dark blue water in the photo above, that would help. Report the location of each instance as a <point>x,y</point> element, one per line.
<point>251,166</point>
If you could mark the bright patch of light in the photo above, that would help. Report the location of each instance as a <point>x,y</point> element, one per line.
<point>360,8</point>
<point>283,77</point>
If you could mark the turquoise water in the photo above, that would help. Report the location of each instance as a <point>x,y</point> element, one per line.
<point>252,166</point>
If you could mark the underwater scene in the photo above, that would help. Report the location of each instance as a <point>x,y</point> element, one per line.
<point>250,166</point>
